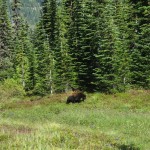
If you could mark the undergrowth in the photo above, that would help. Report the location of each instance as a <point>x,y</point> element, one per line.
<point>107,122</point>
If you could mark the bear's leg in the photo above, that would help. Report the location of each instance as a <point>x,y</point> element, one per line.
<point>70,99</point>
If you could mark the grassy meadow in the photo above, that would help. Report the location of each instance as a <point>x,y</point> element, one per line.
<point>103,122</point>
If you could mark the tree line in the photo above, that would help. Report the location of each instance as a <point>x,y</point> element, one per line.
<point>98,45</point>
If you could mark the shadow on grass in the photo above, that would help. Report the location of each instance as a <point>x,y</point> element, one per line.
<point>127,147</point>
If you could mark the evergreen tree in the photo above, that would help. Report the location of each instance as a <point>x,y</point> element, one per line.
<point>21,46</point>
<point>113,71</point>
<point>43,62</point>
<point>121,57</point>
<point>63,69</point>
<point>104,71</point>
<point>82,42</point>
<point>57,44</point>
<point>89,46</point>
<point>54,25</point>
<point>95,45</point>
<point>5,43</point>
<point>44,43</point>
<point>139,24</point>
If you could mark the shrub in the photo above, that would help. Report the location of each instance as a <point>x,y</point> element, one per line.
<point>10,88</point>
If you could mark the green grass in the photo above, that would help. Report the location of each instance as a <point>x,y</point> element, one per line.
<point>107,122</point>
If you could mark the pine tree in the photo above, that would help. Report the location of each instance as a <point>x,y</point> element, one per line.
<point>82,42</point>
<point>96,45</point>
<point>21,46</point>
<point>121,57</point>
<point>89,46</point>
<point>71,33</point>
<point>113,71</point>
<point>104,71</point>
<point>63,70</point>
<point>44,49</point>
<point>6,70</point>
<point>57,46</point>
<point>139,24</point>
<point>43,62</point>
<point>54,25</point>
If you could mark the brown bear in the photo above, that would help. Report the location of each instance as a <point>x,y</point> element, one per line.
<point>76,97</point>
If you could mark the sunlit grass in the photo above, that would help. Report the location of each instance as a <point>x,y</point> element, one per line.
<point>109,122</point>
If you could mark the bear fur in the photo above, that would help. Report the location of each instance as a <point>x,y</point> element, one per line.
<point>76,97</point>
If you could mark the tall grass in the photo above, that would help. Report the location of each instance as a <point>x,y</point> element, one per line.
<point>108,122</point>
<point>10,89</point>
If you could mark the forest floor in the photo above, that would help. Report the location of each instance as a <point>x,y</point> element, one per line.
<point>103,122</point>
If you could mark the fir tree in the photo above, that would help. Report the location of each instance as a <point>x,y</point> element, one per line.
<point>95,45</point>
<point>139,24</point>
<point>54,24</point>
<point>21,46</point>
<point>43,62</point>
<point>63,70</point>
<point>82,42</point>
<point>121,57</point>
<point>104,71</point>
<point>113,71</point>
<point>5,43</point>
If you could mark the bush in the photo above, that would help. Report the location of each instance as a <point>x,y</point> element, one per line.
<point>10,88</point>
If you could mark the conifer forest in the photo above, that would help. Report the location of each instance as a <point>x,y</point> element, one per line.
<point>97,45</point>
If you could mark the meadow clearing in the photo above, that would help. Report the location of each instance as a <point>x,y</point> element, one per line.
<point>103,122</point>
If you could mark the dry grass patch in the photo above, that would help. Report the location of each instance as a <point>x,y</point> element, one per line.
<point>17,129</point>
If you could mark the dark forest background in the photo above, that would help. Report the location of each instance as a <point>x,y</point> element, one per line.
<point>97,45</point>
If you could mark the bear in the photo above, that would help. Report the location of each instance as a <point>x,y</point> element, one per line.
<point>70,99</point>
<point>76,97</point>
